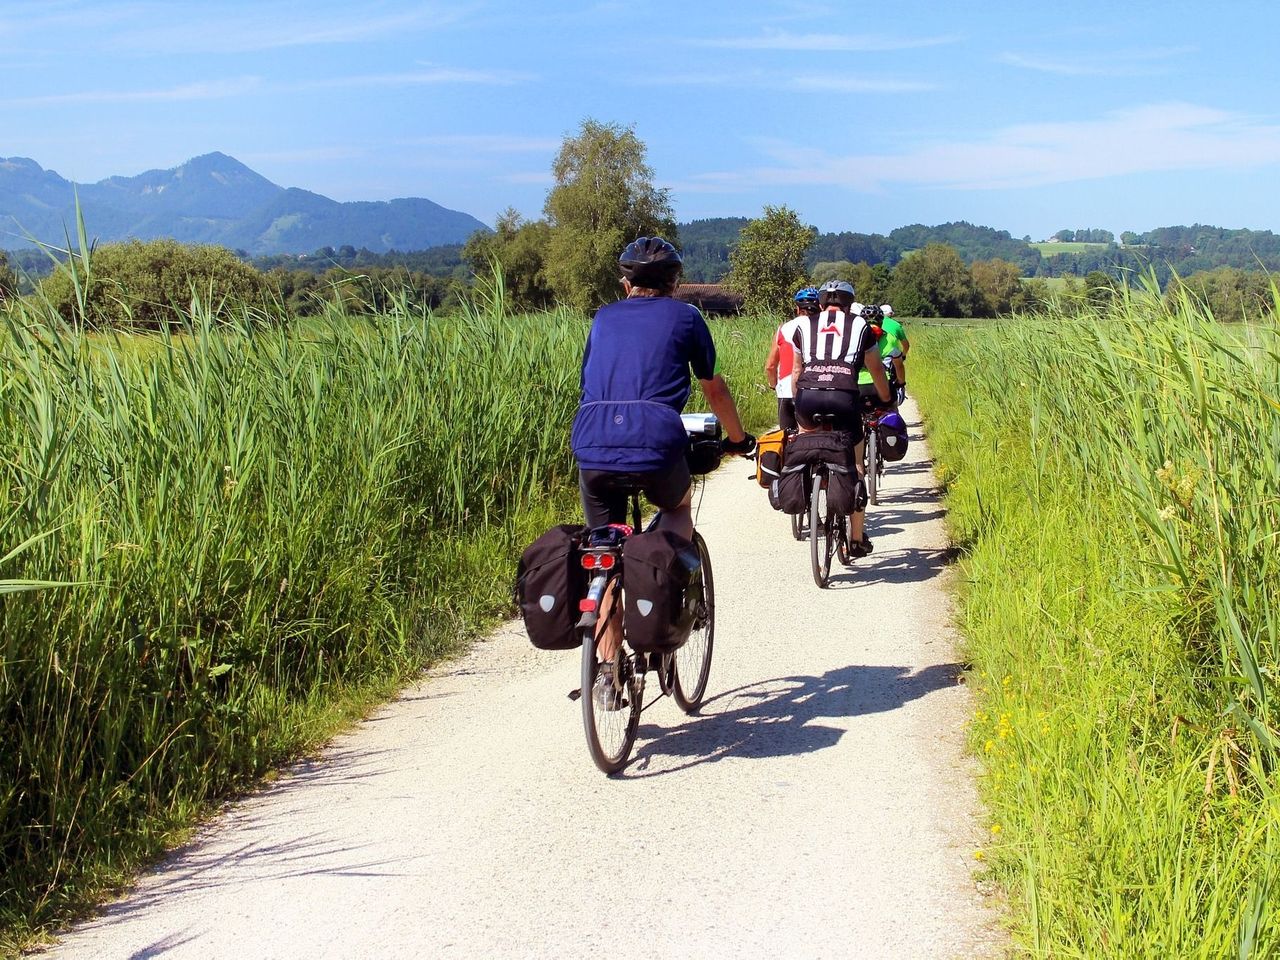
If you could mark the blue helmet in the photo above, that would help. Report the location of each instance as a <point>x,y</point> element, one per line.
<point>807,296</point>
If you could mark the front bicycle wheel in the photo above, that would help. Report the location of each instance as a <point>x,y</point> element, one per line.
<point>871,468</point>
<point>820,545</point>
<point>693,660</point>
<point>611,708</point>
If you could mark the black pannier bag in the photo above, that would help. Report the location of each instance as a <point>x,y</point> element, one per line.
<point>835,446</point>
<point>790,491</point>
<point>842,490</point>
<point>658,568</point>
<point>549,583</point>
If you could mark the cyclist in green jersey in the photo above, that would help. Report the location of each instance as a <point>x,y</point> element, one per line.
<point>893,346</point>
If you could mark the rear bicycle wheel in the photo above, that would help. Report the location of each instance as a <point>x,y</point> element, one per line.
<point>871,474</point>
<point>693,660</point>
<point>843,540</point>
<point>611,720</point>
<point>820,545</point>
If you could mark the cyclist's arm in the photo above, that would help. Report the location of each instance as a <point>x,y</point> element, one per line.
<point>797,368</point>
<point>771,364</point>
<point>871,360</point>
<point>720,400</point>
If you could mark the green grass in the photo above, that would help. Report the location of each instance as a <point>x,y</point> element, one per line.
<point>1052,247</point>
<point>223,544</point>
<point>1117,495</point>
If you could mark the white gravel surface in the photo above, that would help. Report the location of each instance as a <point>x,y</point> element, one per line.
<point>821,805</point>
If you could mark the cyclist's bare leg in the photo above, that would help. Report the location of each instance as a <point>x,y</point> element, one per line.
<point>609,632</point>
<point>860,451</point>
<point>857,526</point>
<point>679,520</point>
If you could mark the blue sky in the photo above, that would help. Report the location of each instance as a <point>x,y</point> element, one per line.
<point>1026,116</point>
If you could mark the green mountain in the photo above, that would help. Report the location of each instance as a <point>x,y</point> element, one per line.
<point>215,199</point>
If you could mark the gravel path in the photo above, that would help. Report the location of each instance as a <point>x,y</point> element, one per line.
<point>821,805</point>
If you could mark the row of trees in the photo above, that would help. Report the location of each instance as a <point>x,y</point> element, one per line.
<point>769,264</point>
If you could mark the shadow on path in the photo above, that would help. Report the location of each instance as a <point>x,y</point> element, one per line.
<point>781,717</point>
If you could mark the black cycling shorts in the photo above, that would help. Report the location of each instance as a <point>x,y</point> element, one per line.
<point>843,407</point>
<point>786,413</point>
<point>606,494</point>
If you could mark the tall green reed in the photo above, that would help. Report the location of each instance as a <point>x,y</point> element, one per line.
<point>1114,474</point>
<point>251,523</point>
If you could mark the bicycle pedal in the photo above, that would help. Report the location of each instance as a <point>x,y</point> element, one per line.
<point>575,695</point>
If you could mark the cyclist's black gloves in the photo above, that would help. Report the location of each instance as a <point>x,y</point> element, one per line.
<point>743,448</point>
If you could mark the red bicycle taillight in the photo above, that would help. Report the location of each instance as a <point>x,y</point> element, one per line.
<point>588,561</point>
<point>587,606</point>
<point>606,561</point>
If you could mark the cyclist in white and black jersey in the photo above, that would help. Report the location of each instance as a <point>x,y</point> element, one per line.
<point>831,350</point>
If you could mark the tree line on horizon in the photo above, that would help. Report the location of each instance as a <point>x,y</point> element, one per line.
<point>604,195</point>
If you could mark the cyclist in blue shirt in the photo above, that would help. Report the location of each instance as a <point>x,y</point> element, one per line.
<point>635,381</point>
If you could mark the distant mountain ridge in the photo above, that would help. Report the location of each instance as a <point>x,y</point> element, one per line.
<point>215,198</point>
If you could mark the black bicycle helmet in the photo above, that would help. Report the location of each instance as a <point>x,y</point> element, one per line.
<point>650,262</point>
<point>871,313</point>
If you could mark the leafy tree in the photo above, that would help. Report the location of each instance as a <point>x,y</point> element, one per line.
<point>999,284</point>
<point>8,279</point>
<point>518,249</point>
<point>768,265</point>
<point>935,282</point>
<point>831,270</point>
<point>1230,294</point>
<point>603,199</point>
<point>149,284</point>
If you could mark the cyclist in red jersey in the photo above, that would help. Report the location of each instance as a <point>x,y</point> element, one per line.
<point>780,363</point>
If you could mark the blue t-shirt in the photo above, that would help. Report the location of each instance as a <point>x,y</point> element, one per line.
<point>635,381</point>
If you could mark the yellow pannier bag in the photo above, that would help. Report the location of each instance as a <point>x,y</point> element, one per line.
<point>769,449</point>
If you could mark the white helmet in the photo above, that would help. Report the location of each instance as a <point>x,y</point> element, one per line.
<point>886,310</point>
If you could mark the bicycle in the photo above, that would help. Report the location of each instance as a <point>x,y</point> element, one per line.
<point>873,457</point>
<point>611,722</point>
<point>828,531</point>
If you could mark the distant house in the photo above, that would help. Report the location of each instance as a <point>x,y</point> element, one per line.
<point>710,297</point>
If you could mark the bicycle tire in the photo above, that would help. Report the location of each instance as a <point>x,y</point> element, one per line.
<point>610,752</point>
<point>666,671</point>
<point>871,468</point>
<point>820,548</point>
<point>843,542</point>
<point>693,660</point>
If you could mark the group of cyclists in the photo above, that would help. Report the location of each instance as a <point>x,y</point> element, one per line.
<point>826,361</point>
<point>837,359</point>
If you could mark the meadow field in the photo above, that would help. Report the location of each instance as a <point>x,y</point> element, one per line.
<point>1049,248</point>
<point>223,542</point>
<point>1113,481</point>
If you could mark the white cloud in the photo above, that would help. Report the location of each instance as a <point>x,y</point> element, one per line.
<point>1121,63</point>
<point>823,42</point>
<point>1137,140</point>
<point>414,78</point>
<point>858,84</point>
<point>208,90</point>
<point>804,83</point>
<point>279,25</point>
<point>489,143</point>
